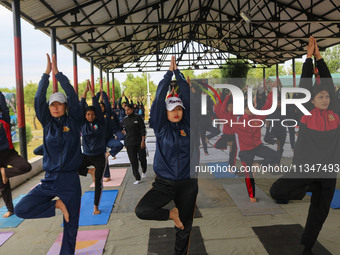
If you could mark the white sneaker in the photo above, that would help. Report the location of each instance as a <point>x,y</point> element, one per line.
<point>137,182</point>
<point>143,175</point>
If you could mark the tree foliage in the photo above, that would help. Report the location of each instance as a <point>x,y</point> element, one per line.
<point>258,72</point>
<point>136,87</point>
<point>236,72</point>
<point>7,90</point>
<point>332,58</point>
<point>298,68</point>
<point>215,73</point>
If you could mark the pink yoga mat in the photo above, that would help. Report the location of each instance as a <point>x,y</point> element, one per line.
<point>4,236</point>
<point>88,242</point>
<point>117,177</point>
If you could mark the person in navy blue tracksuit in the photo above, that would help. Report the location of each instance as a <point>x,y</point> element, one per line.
<point>8,156</point>
<point>94,148</point>
<point>62,159</point>
<point>317,147</point>
<point>170,120</point>
<point>113,132</point>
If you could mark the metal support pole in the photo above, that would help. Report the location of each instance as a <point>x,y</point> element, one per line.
<point>294,74</point>
<point>113,87</point>
<point>92,73</point>
<point>54,52</point>
<point>75,67</point>
<point>264,76</point>
<point>108,83</point>
<point>147,82</point>
<point>277,71</point>
<point>19,78</point>
<point>101,76</point>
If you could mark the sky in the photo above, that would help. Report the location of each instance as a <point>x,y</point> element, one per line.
<point>35,45</point>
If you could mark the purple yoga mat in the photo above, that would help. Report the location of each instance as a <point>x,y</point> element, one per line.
<point>88,242</point>
<point>4,236</point>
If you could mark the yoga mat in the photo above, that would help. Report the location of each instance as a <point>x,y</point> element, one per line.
<point>162,241</point>
<point>88,242</point>
<point>221,174</point>
<point>239,194</point>
<point>122,159</point>
<point>12,221</point>
<point>335,204</point>
<point>285,240</point>
<point>4,236</point>
<point>117,177</point>
<point>105,206</point>
<point>35,186</point>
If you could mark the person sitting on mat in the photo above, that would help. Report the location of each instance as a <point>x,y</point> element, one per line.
<point>8,157</point>
<point>61,120</point>
<point>94,148</point>
<point>317,147</point>
<point>171,122</point>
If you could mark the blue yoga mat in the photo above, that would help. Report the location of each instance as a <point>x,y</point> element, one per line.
<point>13,221</point>
<point>105,206</point>
<point>335,204</point>
<point>221,174</point>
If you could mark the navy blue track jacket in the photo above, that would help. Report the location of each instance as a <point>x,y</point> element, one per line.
<point>172,156</point>
<point>62,151</point>
<point>110,118</point>
<point>93,133</point>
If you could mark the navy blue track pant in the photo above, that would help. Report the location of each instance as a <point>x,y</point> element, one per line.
<point>116,146</point>
<point>38,203</point>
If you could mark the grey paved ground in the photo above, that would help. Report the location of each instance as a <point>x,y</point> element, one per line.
<point>224,229</point>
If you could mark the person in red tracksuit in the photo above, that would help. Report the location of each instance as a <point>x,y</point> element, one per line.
<point>318,144</point>
<point>248,139</point>
<point>225,111</point>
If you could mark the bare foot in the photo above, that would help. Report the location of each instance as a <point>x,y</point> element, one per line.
<point>3,175</point>
<point>60,205</point>
<point>92,172</point>
<point>174,215</point>
<point>253,199</point>
<point>96,211</point>
<point>7,214</point>
<point>106,179</point>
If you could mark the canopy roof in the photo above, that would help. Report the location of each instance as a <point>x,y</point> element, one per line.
<point>141,34</point>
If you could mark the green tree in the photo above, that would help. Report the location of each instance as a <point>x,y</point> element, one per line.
<point>298,68</point>
<point>215,73</point>
<point>135,87</point>
<point>236,72</point>
<point>12,90</point>
<point>30,90</point>
<point>332,58</point>
<point>188,72</point>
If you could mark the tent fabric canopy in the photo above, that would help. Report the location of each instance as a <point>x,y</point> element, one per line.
<point>140,34</point>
